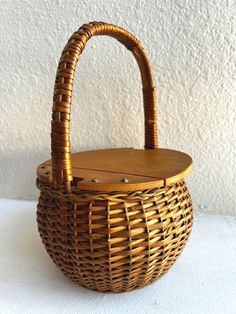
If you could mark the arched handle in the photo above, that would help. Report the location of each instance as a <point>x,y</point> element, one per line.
<point>60,131</point>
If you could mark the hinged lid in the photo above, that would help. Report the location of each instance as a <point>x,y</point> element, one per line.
<point>124,169</point>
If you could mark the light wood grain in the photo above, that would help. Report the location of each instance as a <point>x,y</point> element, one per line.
<point>143,169</point>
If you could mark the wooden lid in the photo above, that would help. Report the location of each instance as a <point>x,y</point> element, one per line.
<point>124,169</point>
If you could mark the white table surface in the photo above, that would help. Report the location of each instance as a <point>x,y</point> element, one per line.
<point>203,280</point>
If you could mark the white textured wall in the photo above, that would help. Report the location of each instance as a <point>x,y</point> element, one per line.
<point>192,47</point>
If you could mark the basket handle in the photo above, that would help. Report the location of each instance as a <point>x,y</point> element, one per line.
<point>60,129</point>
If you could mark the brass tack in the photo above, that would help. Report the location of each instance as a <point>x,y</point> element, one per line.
<point>94,180</point>
<point>124,180</point>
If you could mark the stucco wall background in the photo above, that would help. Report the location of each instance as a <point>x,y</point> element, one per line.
<point>191,45</point>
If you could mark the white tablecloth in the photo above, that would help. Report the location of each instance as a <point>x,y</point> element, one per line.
<point>203,280</point>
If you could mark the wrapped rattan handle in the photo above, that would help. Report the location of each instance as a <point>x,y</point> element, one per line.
<point>60,135</point>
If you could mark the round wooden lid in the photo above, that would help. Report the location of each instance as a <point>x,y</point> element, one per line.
<point>124,169</point>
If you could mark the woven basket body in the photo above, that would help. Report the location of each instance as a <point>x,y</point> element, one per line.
<point>115,242</point>
<point>108,240</point>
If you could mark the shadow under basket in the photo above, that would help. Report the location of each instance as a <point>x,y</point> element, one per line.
<point>112,219</point>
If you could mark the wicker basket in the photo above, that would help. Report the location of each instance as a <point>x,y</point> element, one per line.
<point>116,219</point>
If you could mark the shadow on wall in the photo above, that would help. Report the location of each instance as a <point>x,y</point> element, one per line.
<point>12,163</point>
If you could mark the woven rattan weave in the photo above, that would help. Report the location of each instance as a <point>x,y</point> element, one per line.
<point>118,221</point>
